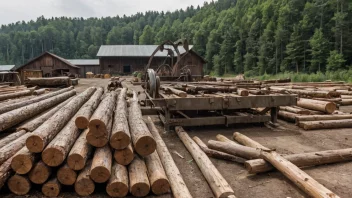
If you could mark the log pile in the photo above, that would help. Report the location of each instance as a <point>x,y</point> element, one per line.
<point>113,146</point>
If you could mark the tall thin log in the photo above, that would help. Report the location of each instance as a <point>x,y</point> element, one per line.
<point>34,123</point>
<point>217,154</point>
<point>80,152</point>
<point>66,175</point>
<point>120,134</point>
<point>40,173</point>
<point>157,177</point>
<point>83,116</point>
<point>9,150</point>
<point>15,95</point>
<point>303,160</point>
<point>139,183</point>
<point>222,138</point>
<point>124,156</point>
<point>84,185</point>
<point>51,188</point>
<point>100,118</point>
<point>216,181</point>
<point>288,116</point>
<point>49,82</point>
<point>143,141</point>
<point>296,175</point>
<point>295,110</point>
<point>118,182</point>
<point>326,124</point>
<point>19,185</point>
<point>178,186</point>
<point>244,140</point>
<point>16,116</point>
<point>323,117</point>
<point>49,129</point>
<point>100,171</point>
<point>23,161</point>
<point>234,149</point>
<point>324,106</point>
<point>39,91</point>
<point>5,171</point>
<point>11,137</point>
<point>13,106</point>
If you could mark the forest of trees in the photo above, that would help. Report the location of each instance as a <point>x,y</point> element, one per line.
<point>254,37</point>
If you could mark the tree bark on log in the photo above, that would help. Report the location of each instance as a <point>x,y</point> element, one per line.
<point>120,134</point>
<point>87,110</point>
<point>16,116</point>
<point>139,183</point>
<point>303,160</point>
<point>66,175</point>
<point>51,188</point>
<point>235,149</point>
<point>216,181</point>
<point>10,138</point>
<point>311,112</point>
<point>39,92</point>
<point>39,173</point>
<point>323,117</point>
<point>19,185</point>
<point>118,183</point>
<point>244,140</point>
<point>99,140</point>
<point>80,152</point>
<point>23,161</point>
<point>288,116</point>
<point>57,150</point>
<point>48,82</point>
<point>15,95</point>
<point>100,118</point>
<point>84,185</point>
<point>157,177</point>
<point>49,129</point>
<point>324,106</point>
<point>217,154</point>
<point>296,175</point>
<point>34,123</point>
<point>100,171</point>
<point>295,110</point>
<point>143,141</point>
<point>9,150</point>
<point>124,156</point>
<point>326,124</point>
<point>345,102</point>
<point>178,186</point>
<point>5,171</point>
<point>177,92</point>
<point>11,107</point>
<point>222,138</point>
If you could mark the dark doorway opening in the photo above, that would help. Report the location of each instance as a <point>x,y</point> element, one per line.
<point>127,69</point>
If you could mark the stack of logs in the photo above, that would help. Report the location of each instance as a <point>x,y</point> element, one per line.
<point>14,92</point>
<point>82,140</point>
<point>259,159</point>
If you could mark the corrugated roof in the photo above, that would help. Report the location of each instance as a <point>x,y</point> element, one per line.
<point>134,50</point>
<point>84,61</point>
<point>6,67</point>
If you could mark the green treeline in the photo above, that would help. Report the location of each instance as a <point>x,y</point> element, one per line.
<point>254,37</point>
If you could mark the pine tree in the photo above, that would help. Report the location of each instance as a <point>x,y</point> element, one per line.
<point>319,46</point>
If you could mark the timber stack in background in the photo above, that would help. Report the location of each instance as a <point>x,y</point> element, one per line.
<point>80,141</point>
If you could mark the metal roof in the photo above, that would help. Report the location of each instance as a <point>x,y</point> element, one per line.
<point>134,50</point>
<point>84,61</point>
<point>6,67</point>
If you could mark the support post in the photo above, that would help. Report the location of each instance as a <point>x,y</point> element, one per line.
<point>273,114</point>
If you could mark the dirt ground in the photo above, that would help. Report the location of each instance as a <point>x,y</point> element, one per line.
<point>289,140</point>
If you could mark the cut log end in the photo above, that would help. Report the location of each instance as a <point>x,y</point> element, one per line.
<point>330,107</point>
<point>40,173</point>
<point>51,188</point>
<point>140,189</point>
<point>76,162</point>
<point>100,174</point>
<point>22,164</point>
<point>117,189</point>
<point>35,144</point>
<point>97,140</point>
<point>66,175</point>
<point>53,157</point>
<point>97,126</point>
<point>81,122</point>
<point>124,156</point>
<point>84,187</point>
<point>119,140</point>
<point>161,186</point>
<point>19,185</point>
<point>145,146</point>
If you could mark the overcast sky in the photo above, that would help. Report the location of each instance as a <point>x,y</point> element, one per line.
<point>18,10</point>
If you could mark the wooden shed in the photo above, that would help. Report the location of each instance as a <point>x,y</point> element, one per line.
<point>47,65</point>
<point>126,59</point>
<point>86,65</point>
